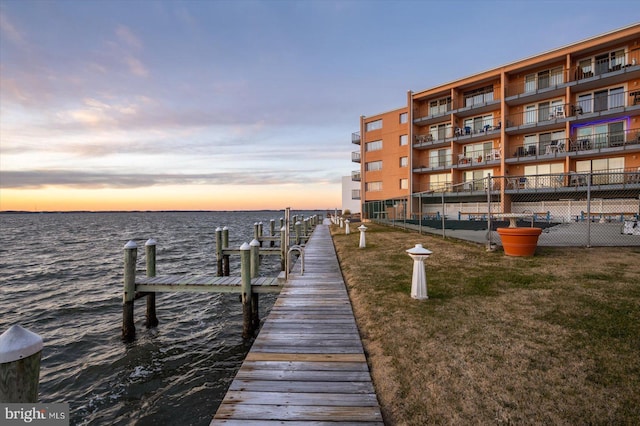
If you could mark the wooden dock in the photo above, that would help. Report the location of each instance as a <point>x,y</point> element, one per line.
<point>307,365</point>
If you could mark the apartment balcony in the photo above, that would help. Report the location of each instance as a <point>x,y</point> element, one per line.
<point>477,103</point>
<point>355,157</point>
<point>355,176</point>
<point>587,75</point>
<point>578,146</point>
<point>355,138</point>
<point>572,182</point>
<point>426,115</point>
<point>596,107</point>
<point>444,162</point>
<point>355,194</point>
<point>433,140</point>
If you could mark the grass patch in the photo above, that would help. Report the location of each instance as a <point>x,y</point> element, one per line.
<point>552,339</point>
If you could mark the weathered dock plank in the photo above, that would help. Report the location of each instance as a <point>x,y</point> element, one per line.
<point>307,365</point>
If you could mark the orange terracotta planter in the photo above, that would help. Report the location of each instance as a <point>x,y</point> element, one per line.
<point>519,241</point>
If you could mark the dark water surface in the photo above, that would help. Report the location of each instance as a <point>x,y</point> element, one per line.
<point>61,277</point>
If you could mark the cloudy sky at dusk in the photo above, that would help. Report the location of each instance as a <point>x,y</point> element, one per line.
<point>108,105</point>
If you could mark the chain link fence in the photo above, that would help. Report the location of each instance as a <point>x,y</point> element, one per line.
<point>573,209</point>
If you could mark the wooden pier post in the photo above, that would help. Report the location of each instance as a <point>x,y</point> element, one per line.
<point>20,354</point>
<point>219,272</point>
<point>150,255</point>
<point>130,257</point>
<point>272,231</point>
<point>298,230</point>
<point>245,295</point>
<point>225,244</point>
<point>256,231</point>
<point>255,267</point>
<point>283,247</point>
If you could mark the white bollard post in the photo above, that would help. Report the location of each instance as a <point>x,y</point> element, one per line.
<point>20,353</point>
<point>347,230</point>
<point>419,279</point>
<point>341,222</point>
<point>363,239</point>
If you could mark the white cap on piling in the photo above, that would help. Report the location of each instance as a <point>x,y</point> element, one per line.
<point>18,343</point>
<point>218,229</point>
<point>131,245</point>
<point>245,246</point>
<point>150,242</point>
<point>254,243</point>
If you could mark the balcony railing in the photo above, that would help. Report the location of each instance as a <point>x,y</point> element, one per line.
<point>593,104</point>
<point>355,138</point>
<point>628,178</point>
<point>355,176</point>
<point>355,157</point>
<point>560,147</point>
<point>556,80</point>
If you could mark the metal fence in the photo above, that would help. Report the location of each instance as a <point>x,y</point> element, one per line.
<point>574,209</point>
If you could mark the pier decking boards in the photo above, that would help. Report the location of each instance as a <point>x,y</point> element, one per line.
<point>307,365</point>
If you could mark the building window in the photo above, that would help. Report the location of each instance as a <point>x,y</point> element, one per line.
<point>404,117</point>
<point>440,158</point>
<point>404,140</point>
<point>606,170</point>
<point>441,131</point>
<point>404,161</point>
<point>440,182</point>
<point>544,175</point>
<point>404,183</point>
<point>543,79</point>
<point>373,186</point>
<point>373,166</point>
<point>440,106</point>
<point>373,146</point>
<point>603,135</point>
<point>374,125</point>
<point>542,111</point>
<point>478,96</point>
<point>480,123</point>
<point>601,100</point>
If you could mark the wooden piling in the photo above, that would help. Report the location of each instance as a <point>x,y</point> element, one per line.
<point>20,354</point>
<point>225,244</point>
<point>298,231</point>
<point>272,231</point>
<point>283,247</point>
<point>130,257</point>
<point>245,295</point>
<point>255,266</point>
<point>150,255</point>
<point>219,256</point>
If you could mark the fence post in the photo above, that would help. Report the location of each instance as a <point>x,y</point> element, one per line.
<point>20,354</point>
<point>245,295</point>
<point>150,255</point>
<point>589,177</point>
<point>489,242</point>
<point>130,257</point>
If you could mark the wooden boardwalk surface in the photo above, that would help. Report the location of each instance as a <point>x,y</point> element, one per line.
<point>307,365</point>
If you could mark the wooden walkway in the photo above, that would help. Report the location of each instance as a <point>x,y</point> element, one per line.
<point>307,365</point>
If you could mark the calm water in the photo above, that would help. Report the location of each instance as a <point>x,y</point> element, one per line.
<point>61,277</point>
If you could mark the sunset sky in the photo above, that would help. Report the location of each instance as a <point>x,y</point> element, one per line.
<point>227,105</point>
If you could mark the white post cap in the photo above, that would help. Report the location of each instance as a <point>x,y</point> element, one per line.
<point>150,242</point>
<point>254,243</point>
<point>362,228</point>
<point>245,246</point>
<point>130,245</point>
<point>419,250</point>
<point>18,343</point>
